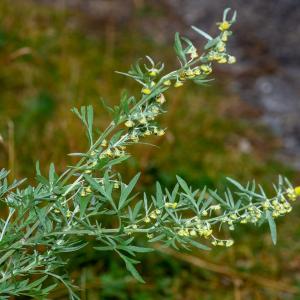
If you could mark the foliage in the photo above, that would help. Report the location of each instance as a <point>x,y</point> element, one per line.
<point>90,201</point>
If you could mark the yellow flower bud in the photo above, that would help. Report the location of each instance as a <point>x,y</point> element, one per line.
<point>194,54</point>
<point>231,60</point>
<point>204,213</point>
<point>206,69</point>
<point>160,132</point>
<point>178,84</point>
<point>222,60</point>
<point>143,121</point>
<point>147,132</point>
<point>153,72</point>
<point>160,99</point>
<point>104,143</point>
<point>167,82</point>
<point>146,91</point>
<point>297,191</point>
<point>153,215</point>
<point>229,243</point>
<point>221,47</point>
<point>193,232</point>
<point>189,74</point>
<point>147,219</point>
<point>197,72</point>
<point>224,25</point>
<point>129,123</point>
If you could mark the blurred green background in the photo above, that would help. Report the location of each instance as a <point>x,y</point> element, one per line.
<point>54,57</point>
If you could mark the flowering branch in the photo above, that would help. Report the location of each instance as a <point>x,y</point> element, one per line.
<point>62,213</point>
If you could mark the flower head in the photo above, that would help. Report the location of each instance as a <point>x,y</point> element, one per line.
<point>129,123</point>
<point>146,91</point>
<point>224,25</point>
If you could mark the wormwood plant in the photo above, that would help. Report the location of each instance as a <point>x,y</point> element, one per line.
<point>90,201</point>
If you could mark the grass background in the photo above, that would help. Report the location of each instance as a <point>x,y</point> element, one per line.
<point>52,60</point>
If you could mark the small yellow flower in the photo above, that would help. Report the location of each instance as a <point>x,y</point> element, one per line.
<point>171,205</point>
<point>224,26</point>
<point>197,72</point>
<point>206,69</point>
<point>117,152</point>
<point>215,207</point>
<point>231,60</point>
<point>146,91</point>
<point>167,82</point>
<point>204,213</point>
<point>134,138</point>
<point>149,235</point>
<point>88,171</point>
<point>190,74</point>
<point>147,132</point>
<point>229,243</point>
<point>153,72</point>
<point>116,185</point>
<point>297,191</point>
<point>193,232</point>
<point>129,123</point>
<point>104,143</point>
<point>194,54</point>
<point>88,189</point>
<point>222,60</point>
<point>221,47</point>
<point>147,219</point>
<point>160,132</point>
<point>143,120</point>
<point>153,215</point>
<point>181,232</point>
<point>291,193</point>
<point>178,84</point>
<point>161,99</point>
<point>108,153</point>
<point>266,204</point>
<point>68,214</point>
